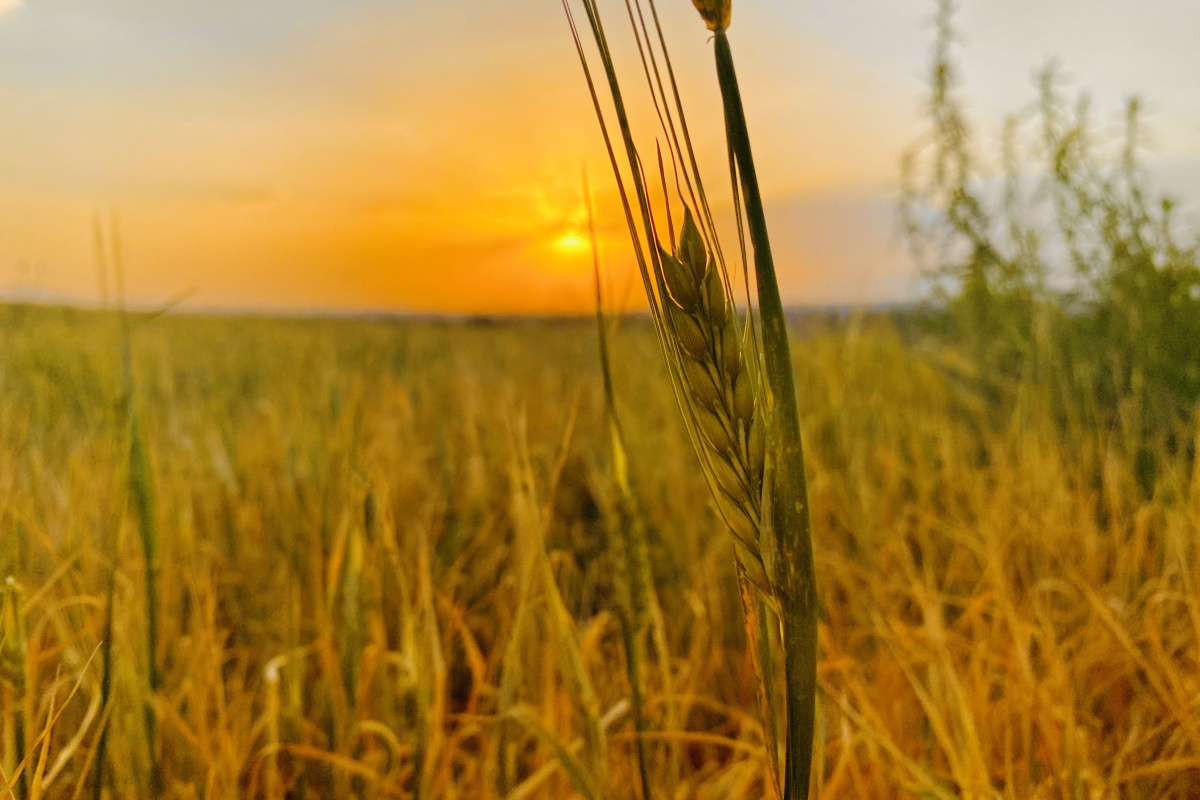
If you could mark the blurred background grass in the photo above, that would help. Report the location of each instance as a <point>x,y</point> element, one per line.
<point>1008,609</point>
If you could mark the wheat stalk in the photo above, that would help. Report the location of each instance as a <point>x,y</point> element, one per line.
<point>351,631</point>
<point>536,573</point>
<point>689,295</point>
<point>737,395</point>
<point>273,787</point>
<point>637,598</point>
<point>14,689</point>
<point>144,499</point>
<point>794,572</point>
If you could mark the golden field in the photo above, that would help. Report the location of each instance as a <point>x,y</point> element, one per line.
<point>349,514</point>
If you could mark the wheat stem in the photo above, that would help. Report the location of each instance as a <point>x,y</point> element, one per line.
<point>794,574</point>
<point>14,682</point>
<point>142,495</point>
<point>636,586</point>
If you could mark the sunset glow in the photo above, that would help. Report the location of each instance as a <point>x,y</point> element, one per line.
<point>425,157</point>
<point>571,241</point>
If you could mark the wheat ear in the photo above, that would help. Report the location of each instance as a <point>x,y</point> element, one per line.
<point>737,399</point>
<point>700,319</point>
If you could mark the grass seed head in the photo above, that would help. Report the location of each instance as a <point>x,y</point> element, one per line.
<point>692,252</point>
<point>714,299</point>
<point>704,388</point>
<point>719,388</point>
<point>689,333</point>
<point>679,281</point>
<point>716,13</point>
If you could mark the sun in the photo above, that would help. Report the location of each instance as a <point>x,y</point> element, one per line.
<point>565,251</point>
<point>571,241</point>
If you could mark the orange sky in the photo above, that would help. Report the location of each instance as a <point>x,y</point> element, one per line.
<point>425,156</point>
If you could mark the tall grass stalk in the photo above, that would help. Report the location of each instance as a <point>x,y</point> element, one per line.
<point>638,599</point>
<point>350,632</point>
<point>536,572</point>
<point>143,498</point>
<point>409,671</point>
<point>271,781</point>
<point>110,550</point>
<point>106,666</point>
<point>16,704</point>
<point>794,573</point>
<point>736,393</point>
<point>432,676</point>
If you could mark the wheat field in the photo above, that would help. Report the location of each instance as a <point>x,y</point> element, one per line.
<point>383,571</point>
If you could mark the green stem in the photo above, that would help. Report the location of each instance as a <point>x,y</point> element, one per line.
<point>634,656</point>
<point>142,487</point>
<point>106,679</point>
<point>794,572</point>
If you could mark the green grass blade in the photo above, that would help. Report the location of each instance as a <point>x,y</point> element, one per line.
<point>795,574</point>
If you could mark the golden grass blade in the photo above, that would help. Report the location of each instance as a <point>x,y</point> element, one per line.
<point>14,679</point>
<point>758,640</point>
<point>345,765</point>
<point>90,759</point>
<point>579,774</point>
<point>273,787</point>
<point>67,752</point>
<point>637,598</point>
<point>529,787</point>
<point>43,738</point>
<point>143,498</point>
<point>433,691</point>
<point>39,772</point>
<point>537,573</point>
